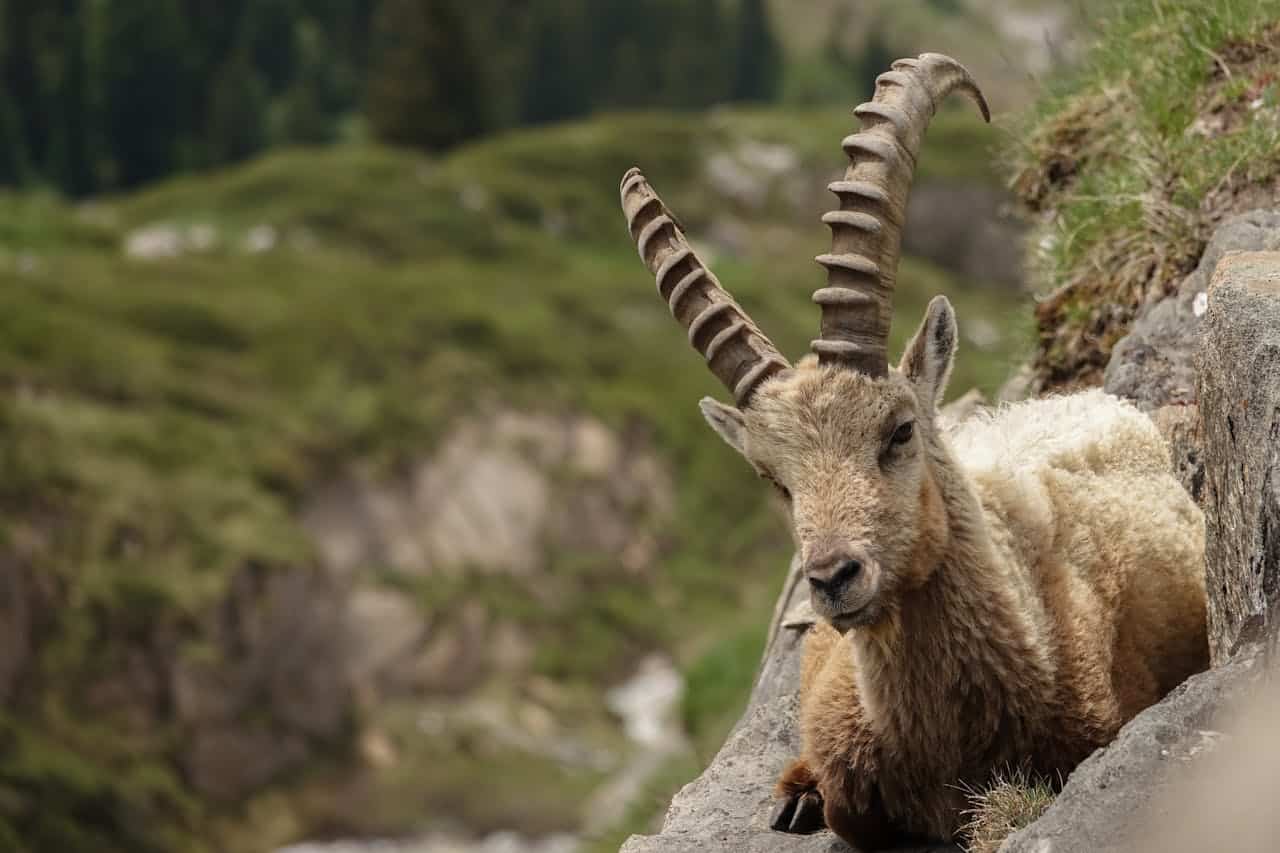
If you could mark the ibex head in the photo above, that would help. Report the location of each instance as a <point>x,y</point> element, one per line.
<point>846,440</point>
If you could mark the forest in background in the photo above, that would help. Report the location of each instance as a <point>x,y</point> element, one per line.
<point>102,95</point>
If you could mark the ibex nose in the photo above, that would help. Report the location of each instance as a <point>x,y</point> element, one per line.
<point>831,572</point>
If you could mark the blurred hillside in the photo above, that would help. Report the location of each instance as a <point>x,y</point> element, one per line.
<point>340,487</point>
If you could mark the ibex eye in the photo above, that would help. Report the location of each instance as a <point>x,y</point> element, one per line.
<point>903,433</point>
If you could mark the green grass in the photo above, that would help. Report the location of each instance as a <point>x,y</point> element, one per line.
<point>1173,121</point>
<point>165,420</point>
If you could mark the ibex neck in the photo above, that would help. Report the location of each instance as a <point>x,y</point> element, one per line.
<point>962,659</point>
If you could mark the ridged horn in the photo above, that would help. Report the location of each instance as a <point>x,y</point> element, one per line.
<point>737,352</point>
<point>866,232</point>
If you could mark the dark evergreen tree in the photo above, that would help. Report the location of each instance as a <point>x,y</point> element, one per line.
<point>114,93</point>
<point>71,154</point>
<point>268,34</point>
<point>502,27</point>
<point>144,87</point>
<point>757,55</point>
<point>15,166</point>
<point>876,58</point>
<point>309,109</point>
<point>237,126</point>
<point>620,74</point>
<point>555,83</point>
<point>425,87</point>
<point>211,33</point>
<point>695,65</point>
<point>20,52</point>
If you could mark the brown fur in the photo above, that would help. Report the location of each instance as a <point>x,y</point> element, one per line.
<point>1010,612</point>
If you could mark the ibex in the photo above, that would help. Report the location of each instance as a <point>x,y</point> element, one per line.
<point>1004,595</point>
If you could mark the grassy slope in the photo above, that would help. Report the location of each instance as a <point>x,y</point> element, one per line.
<point>1172,122</point>
<point>163,420</point>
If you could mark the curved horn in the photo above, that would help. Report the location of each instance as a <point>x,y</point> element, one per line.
<point>737,352</point>
<point>866,232</point>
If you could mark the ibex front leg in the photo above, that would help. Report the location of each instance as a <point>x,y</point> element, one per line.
<point>800,807</point>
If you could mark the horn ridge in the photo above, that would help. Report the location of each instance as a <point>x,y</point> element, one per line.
<point>862,265</point>
<point>735,349</point>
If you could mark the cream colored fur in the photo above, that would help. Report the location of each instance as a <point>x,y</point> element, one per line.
<point>1031,579</point>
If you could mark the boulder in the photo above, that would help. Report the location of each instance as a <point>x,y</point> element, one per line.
<point>1239,387</point>
<point>1154,364</point>
<point>1115,795</point>
<point>1180,425</point>
<point>260,706</point>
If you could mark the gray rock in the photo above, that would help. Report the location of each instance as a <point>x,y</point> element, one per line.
<point>727,808</point>
<point>260,705</point>
<point>225,764</point>
<point>1239,387</point>
<point>1120,790</point>
<point>1154,364</point>
<point>1181,427</point>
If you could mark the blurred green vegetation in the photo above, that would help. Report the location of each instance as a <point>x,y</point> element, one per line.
<point>166,418</point>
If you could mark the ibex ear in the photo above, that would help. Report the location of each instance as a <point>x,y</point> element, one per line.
<point>928,358</point>
<point>725,420</point>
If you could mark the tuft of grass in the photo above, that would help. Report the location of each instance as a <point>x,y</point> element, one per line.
<point>1171,123</point>
<point>1011,802</point>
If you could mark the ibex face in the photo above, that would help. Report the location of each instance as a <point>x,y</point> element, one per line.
<point>850,455</point>
<point>847,440</point>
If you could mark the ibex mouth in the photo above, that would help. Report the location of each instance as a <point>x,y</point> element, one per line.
<point>867,614</point>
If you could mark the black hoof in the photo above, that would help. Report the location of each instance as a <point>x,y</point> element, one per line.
<point>808,816</point>
<point>798,815</point>
<point>783,812</point>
